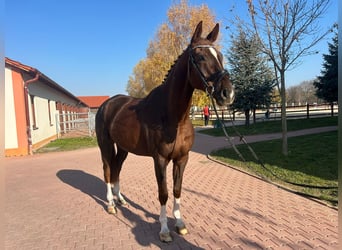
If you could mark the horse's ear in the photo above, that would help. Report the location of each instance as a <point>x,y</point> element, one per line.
<point>214,33</point>
<point>198,32</point>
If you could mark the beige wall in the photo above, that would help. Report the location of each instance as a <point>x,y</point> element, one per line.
<point>45,128</point>
<point>11,139</point>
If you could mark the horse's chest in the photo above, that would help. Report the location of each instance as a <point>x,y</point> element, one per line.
<point>181,142</point>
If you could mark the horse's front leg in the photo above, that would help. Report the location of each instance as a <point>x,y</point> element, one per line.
<point>160,164</point>
<point>110,197</point>
<point>178,170</point>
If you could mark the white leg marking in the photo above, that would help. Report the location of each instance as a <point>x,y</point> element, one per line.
<point>118,193</point>
<point>180,226</point>
<point>163,220</point>
<point>177,213</point>
<point>110,196</point>
<point>116,189</point>
<point>176,207</point>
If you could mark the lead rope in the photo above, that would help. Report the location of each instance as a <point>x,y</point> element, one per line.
<point>242,138</point>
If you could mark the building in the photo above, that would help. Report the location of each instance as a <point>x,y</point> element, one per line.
<point>32,103</point>
<point>93,102</point>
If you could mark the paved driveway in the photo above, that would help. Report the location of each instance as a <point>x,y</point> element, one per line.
<point>57,201</point>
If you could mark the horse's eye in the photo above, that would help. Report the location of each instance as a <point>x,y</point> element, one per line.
<point>201,58</point>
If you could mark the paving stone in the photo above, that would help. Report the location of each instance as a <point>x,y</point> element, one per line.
<point>58,201</point>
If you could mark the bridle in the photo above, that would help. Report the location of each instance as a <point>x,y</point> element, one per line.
<point>214,78</point>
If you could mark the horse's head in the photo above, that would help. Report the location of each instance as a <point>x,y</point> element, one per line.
<point>206,67</point>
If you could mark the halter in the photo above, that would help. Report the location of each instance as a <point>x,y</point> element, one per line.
<point>215,77</point>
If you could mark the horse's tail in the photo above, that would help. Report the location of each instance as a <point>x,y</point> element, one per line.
<point>104,140</point>
<point>100,124</point>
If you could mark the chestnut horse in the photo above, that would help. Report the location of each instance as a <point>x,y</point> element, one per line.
<point>159,125</point>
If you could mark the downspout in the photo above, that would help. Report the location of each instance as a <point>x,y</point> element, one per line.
<point>27,111</point>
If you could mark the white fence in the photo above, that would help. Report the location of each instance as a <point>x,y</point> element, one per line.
<point>71,124</point>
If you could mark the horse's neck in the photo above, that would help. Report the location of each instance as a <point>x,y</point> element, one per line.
<point>178,89</point>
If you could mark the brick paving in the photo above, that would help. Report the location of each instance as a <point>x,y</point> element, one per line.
<point>57,201</point>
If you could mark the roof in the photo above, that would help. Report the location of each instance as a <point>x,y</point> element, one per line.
<point>43,78</point>
<point>93,101</point>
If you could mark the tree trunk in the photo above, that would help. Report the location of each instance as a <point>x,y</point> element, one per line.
<point>332,108</point>
<point>254,116</point>
<point>283,113</point>
<point>247,117</point>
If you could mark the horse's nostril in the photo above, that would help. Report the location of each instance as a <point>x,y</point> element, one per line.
<point>225,93</point>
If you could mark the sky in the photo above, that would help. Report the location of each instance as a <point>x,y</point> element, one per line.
<point>91,47</point>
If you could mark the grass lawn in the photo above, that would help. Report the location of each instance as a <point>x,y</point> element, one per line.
<point>65,144</point>
<point>312,160</point>
<point>274,126</point>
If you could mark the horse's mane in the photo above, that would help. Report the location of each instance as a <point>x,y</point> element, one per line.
<point>155,91</point>
<point>173,65</point>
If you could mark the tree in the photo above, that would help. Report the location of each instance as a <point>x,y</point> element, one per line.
<point>169,42</point>
<point>250,74</point>
<point>275,99</point>
<point>301,94</point>
<point>327,84</point>
<point>293,95</point>
<point>308,92</point>
<point>288,30</point>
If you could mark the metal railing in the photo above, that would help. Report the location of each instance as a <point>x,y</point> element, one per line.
<point>71,124</point>
<point>292,112</point>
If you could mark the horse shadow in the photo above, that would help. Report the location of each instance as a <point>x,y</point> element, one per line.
<point>145,233</point>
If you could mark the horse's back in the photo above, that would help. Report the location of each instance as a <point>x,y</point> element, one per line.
<point>112,106</point>
<point>107,113</point>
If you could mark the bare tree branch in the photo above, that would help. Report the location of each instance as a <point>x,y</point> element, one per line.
<point>284,28</point>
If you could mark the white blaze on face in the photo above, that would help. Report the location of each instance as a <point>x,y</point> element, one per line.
<point>214,53</point>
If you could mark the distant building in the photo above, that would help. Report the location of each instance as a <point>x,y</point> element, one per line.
<point>33,101</point>
<point>93,102</point>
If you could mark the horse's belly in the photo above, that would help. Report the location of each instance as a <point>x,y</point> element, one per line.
<point>129,135</point>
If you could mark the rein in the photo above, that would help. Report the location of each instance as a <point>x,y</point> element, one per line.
<point>242,138</point>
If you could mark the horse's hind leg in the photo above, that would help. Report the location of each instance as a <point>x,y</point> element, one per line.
<point>178,170</point>
<point>107,149</point>
<point>115,167</point>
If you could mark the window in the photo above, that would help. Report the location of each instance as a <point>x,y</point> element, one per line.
<point>34,123</point>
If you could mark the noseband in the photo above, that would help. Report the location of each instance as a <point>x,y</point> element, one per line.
<point>214,78</point>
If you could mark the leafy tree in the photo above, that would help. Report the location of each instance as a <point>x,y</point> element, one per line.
<point>169,42</point>
<point>250,74</point>
<point>288,30</point>
<point>327,84</point>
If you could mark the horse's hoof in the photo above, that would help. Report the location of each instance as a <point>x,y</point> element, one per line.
<point>111,209</point>
<point>165,237</point>
<point>122,202</point>
<point>181,230</point>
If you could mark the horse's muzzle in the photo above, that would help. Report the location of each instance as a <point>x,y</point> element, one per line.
<point>228,95</point>
<point>225,96</point>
